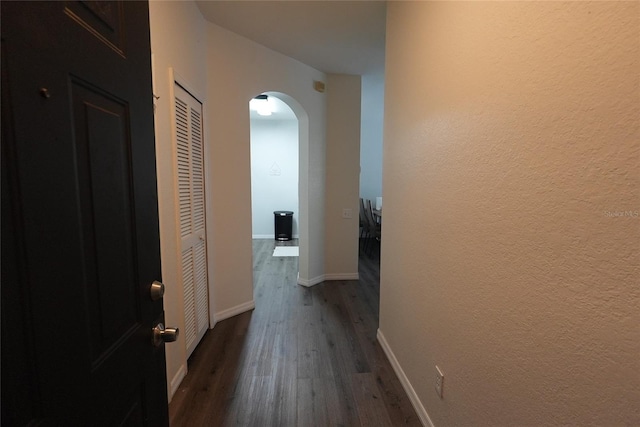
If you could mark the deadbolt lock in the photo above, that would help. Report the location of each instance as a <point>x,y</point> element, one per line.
<point>156,291</point>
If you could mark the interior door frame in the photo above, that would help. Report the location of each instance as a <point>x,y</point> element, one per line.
<point>176,78</point>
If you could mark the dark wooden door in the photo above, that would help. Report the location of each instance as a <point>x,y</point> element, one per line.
<point>80,242</point>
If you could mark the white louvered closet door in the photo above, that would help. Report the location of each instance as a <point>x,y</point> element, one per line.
<point>193,248</point>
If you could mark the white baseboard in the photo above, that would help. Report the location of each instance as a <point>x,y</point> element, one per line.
<point>270,236</point>
<point>327,277</point>
<point>176,380</point>
<point>310,282</point>
<point>342,276</point>
<point>408,388</point>
<point>234,311</point>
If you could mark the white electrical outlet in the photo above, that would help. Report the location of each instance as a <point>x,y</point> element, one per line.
<point>346,213</point>
<point>439,381</point>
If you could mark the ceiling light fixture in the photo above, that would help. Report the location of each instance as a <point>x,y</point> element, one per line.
<point>262,105</point>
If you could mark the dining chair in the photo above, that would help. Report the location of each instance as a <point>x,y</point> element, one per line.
<point>364,225</point>
<point>374,229</point>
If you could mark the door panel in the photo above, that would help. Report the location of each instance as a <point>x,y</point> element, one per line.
<point>80,188</point>
<point>190,166</point>
<point>104,157</point>
<point>104,19</point>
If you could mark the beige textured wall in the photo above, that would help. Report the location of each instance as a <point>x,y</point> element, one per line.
<point>178,41</point>
<point>511,146</point>
<point>342,177</point>
<point>238,70</point>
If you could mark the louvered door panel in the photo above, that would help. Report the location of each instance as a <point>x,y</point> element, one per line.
<point>189,297</point>
<point>184,168</point>
<point>200,285</point>
<point>191,201</point>
<point>198,172</point>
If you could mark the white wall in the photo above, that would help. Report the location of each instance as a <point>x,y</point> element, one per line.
<point>238,70</point>
<point>343,152</point>
<point>230,70</point>
<point>177,40</point>
<point>274,174</point>
<point>371,135</point>
<point>512,139</point>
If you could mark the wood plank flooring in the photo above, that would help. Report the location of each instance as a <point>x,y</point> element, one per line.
<point>303,357</point>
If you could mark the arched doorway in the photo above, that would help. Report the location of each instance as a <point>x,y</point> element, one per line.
<point>279,168</point>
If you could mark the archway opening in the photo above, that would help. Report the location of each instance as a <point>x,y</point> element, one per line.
<point>279,138</point>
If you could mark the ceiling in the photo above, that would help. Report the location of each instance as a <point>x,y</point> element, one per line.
<point>341,37</point>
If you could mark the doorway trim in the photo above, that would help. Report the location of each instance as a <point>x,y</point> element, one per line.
<point>303,180</point>
<point>174,258</point>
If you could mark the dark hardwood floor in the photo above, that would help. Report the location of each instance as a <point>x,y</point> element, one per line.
<point>303,357</point>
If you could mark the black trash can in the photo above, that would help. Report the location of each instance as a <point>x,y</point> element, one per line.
<point>283,224</point>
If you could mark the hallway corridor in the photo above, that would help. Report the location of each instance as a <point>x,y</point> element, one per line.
<point>303,357</point>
